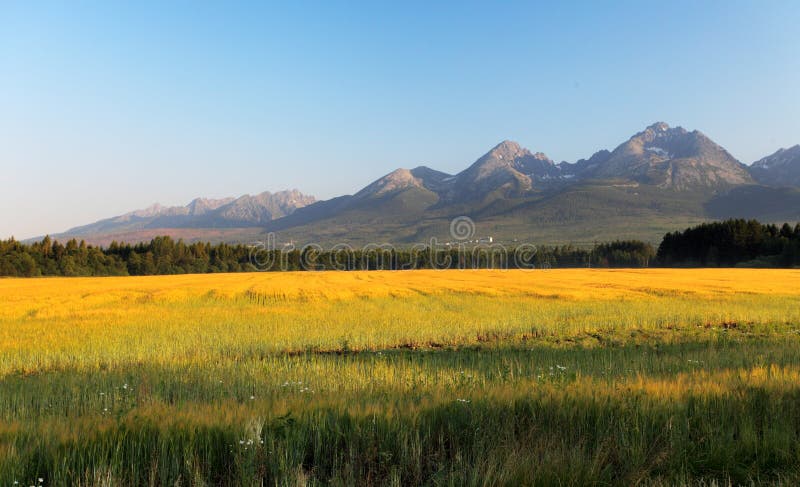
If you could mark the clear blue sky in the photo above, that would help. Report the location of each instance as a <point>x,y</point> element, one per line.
<point>107,106</point>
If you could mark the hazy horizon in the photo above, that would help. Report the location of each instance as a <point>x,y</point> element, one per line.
<point>111,108</point>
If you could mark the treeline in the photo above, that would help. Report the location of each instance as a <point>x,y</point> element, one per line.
<point>163,255</point>
<point>731,243</point>
<point>614,254</point>
<point>724,244</point>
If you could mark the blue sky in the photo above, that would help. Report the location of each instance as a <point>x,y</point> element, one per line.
<point>108,106</point>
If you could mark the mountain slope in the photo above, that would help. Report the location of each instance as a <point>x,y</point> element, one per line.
<point>763,203</point>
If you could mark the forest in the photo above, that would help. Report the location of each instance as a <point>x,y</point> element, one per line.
<point>744,243</point>
<point>735,242</point>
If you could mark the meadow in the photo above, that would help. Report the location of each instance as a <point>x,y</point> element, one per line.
<point>569,377</point>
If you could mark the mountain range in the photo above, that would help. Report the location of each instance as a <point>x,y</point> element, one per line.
<point>661,179</point>
<point>202,216</point>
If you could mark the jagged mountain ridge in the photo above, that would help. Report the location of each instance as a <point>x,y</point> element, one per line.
<point>244,211</point>
<point>670,158</point>
<point>507,170</point>
<point>660,179</point>
<point>660,174</point>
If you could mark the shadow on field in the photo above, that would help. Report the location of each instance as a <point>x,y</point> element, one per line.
<point>537,415</point>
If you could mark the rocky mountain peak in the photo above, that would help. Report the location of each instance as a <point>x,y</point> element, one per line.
<point>779,169</point>
<point>659,131</point>
<point>658,127</point>
<point>398,179</point>
<point>781,157</point>
<point>505,151</point>
<point>510,154</point>
<point>672,158</point>
<point>201,206</point>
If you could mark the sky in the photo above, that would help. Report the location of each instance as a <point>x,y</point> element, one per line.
<point>106,107</point>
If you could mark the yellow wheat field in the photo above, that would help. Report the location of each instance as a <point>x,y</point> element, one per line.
<point>91,323</point>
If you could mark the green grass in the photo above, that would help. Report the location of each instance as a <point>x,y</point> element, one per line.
<point>461,378</point>
<point>483,416</point>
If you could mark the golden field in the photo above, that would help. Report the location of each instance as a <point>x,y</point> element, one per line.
<point>83,322</point>
<point>655,376</point>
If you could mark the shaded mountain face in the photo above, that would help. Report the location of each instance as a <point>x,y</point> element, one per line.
<point>201,212</point>
<point>770,204</point>
<point>584,166</point>
<point>672,158</point>
<point>779,169</point>
<point>432,179</point>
